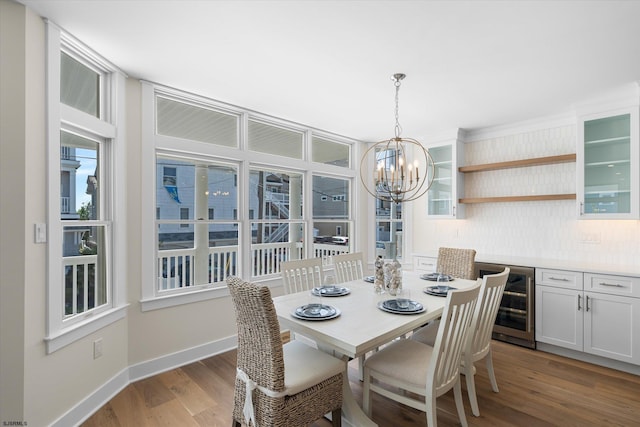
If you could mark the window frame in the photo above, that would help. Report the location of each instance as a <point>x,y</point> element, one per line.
<point>109,128</point>
<point>153,144</point>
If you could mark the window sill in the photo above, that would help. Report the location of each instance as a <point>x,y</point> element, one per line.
<point>188,297</point>
<point>80,330</point>
<point>196,295</point>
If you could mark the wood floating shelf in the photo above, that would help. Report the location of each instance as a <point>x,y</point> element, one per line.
<point>470,200</point>
<point>563,158</point>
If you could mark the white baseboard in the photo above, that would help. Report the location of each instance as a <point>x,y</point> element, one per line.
<point>171,361</point>
<point>85,408</point>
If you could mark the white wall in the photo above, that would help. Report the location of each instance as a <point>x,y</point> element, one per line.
<point>12,221</point>
<point>544,229</point>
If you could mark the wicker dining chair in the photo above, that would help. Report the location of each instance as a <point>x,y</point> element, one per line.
<point>457,262</point>
<point>278,385</point>
<point>424,371</point>
<point>301,274</point>
<point>482,327</point>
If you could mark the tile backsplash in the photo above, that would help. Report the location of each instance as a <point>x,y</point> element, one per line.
<point>539,229</point>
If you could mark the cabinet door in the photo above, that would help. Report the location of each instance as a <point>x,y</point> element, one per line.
<point>607,165</point>
<point>442,197</point>
<point>559,317</point>
<point>610,326</point>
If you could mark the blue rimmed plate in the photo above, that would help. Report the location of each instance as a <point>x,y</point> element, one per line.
<point>396,306</point>
<point>316,312</point>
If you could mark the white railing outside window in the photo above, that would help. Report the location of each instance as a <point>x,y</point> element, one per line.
<point>176,268</point>
<point>82,293</point>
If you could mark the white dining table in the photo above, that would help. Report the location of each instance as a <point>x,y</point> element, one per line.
<point>361,326</point>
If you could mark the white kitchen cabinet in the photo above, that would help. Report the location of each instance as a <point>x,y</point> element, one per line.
<point>448,185</point>
<point>607,165</point>
<point>596,314</point>
<point>559,304</point>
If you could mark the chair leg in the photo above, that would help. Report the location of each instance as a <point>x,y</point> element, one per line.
<point>361,368</point>
<point>471,391</point>
<point>366,393</point>
<point>430,413</point>
<point>457,394</point>
<point>492,374</point>
<point>336,418</point>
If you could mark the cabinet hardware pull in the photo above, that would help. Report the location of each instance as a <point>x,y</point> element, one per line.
<point>614,285</point>
<point>586,306</point>
<point>579,298</point>
<point>581,208</point>
<point>562,279</point>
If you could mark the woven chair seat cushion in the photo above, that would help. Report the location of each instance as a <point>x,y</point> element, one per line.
<point>305,367</point>
<point>404,360</point>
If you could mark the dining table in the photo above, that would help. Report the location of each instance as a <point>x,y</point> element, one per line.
<point>361,325</point>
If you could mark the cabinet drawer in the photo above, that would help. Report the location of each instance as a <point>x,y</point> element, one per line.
<point>425,264</point>
<point>614,285</point>
<point>559,278</point>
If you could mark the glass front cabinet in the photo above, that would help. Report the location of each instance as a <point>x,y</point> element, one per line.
<point>607,165</point>
<point>448,185</point>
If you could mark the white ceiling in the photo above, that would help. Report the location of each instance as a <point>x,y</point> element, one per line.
<point>328,64</point>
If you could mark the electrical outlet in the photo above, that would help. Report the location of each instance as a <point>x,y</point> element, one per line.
<point>97,348</point>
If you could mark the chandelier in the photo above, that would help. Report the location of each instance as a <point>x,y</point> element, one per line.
<point>403,168</point>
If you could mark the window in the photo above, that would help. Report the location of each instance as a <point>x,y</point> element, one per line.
<point>85,286</point>
<point>277,234</point>
<point>331,221</point>
<point>330,152</point>
<point>259,208</point>
<point>266,138</point>
<point>200,251</point>
<point>389,221</point>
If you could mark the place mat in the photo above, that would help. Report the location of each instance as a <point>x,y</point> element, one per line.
<point>306,312</point>
<point>433,290</point>
<point>369,279</point>
<point>330,291</point>
<point>433,277</point>
<point>392,306</point>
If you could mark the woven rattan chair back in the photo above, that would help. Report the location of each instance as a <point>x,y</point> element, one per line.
<point>456,262</point>
<point>348,266</point>
<point>301,274</point>
<point>259,340</point>
<point>262,358</point>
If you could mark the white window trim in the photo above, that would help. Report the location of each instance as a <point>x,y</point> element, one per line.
<point>151,299</point>
<point>58,332</point>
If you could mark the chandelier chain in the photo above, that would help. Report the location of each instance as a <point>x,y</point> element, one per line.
<point>398,128</point>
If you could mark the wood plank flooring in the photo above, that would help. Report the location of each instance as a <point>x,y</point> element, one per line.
<point>536,389</point>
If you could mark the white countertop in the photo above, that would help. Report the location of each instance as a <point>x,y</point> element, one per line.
<point>587,267</point>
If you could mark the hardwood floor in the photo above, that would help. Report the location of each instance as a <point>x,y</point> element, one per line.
<point>536,389</point>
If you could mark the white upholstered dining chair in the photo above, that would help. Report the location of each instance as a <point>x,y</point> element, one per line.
<point>427,371</point>
<point>348,266</point>
<point>491,292</point>
<point>301,274</point>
